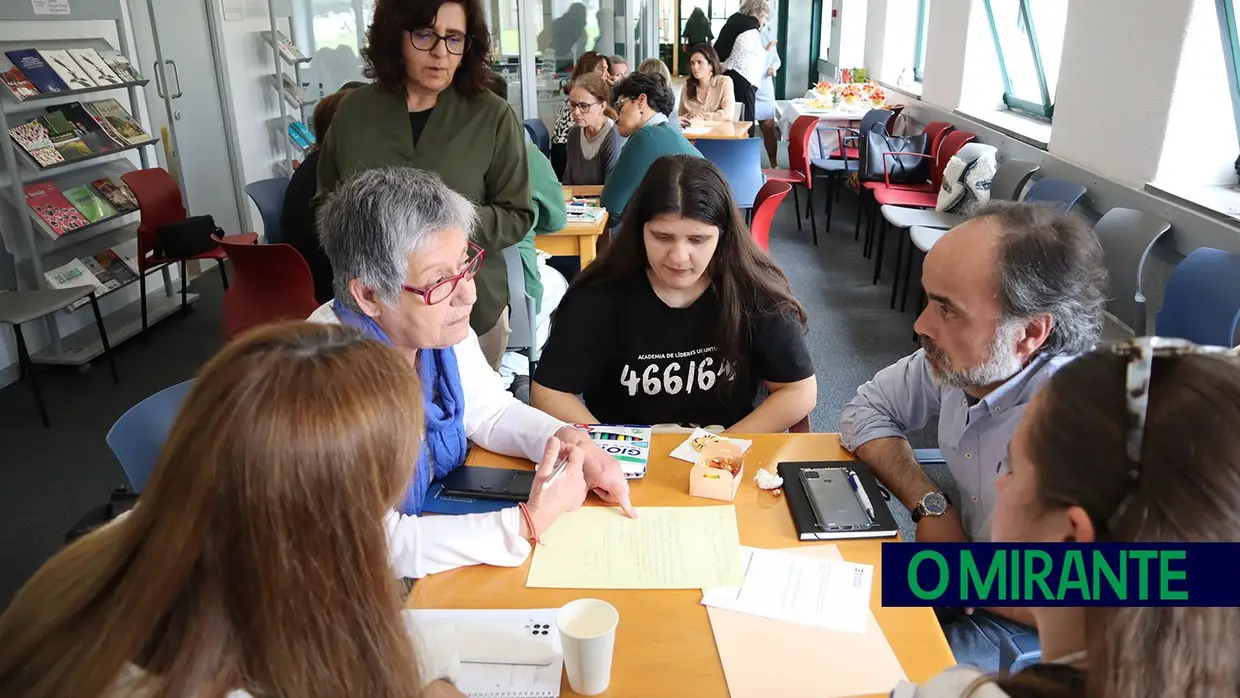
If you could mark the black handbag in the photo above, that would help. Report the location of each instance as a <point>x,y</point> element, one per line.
<point>188,238</point>
<point>909,166</point>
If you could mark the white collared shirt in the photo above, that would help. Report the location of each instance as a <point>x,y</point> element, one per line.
<point>498,422</point>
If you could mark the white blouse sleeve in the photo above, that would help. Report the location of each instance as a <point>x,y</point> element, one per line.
<point>422,545</point>
<point>494,418</point>
<point>748,57</point>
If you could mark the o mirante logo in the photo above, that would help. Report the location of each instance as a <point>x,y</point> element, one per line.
<point>1061,574</point>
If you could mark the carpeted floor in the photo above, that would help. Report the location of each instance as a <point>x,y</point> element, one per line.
<point>55,475</point>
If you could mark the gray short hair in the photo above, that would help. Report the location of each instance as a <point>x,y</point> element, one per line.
<point>760,9</point>
<point>374,220</point>
<point>1050,262</point>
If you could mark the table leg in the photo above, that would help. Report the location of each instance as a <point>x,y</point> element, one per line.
<point>586,249</point>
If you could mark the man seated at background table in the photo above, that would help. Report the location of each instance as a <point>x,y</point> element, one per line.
<point>1014,293</point>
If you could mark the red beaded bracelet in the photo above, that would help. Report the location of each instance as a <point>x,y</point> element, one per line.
<point>529,521</point>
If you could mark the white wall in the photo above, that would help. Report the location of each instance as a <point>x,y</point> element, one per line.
<point>1114,99</point>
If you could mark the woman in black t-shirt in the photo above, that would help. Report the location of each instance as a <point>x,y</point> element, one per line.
<point>682,320</point>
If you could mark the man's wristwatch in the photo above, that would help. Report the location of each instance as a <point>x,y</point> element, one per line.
<point>931,504</point>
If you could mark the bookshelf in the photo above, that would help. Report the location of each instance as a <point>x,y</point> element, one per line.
<point>30,243</point>
<point>285,79</point>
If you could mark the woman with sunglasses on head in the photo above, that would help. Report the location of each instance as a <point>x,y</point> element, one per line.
<point>430,108</point>
<point>258,561</point>
<point>643,104</point>
<point>593,143</point>
<point>683,320</point>
<point>404,274</point>
<point>1092,461</point>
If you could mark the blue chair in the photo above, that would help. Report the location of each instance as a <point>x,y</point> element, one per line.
<point>268,196</point>
<point>139,435</point>
<point>1202,300</point>
<point>539,134</point>
<point>1056,191</point>
<point>740,160</point>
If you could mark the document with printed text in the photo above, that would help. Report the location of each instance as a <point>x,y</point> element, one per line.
<point>813,591</point>
<point>663,548</point>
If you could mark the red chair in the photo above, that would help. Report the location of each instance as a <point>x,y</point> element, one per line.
<point>769,197</point>
<point>271,283</point>
<point>798,170</point>
<point>159,203</point>
<point>935,132</point>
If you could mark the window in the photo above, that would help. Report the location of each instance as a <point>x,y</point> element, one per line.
<point>1228,22</point>
<point>919,52</point>
<point>1029,41</point>
<point>824,33</point>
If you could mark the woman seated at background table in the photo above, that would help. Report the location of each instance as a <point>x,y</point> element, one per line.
<point>708,93</point>
<point>589,63</point>
<point>397,238</point>
<point>681,321</point>
<point>1089,464</point>
<point>258,559</point>
<point>593,143</point>
<point>643,104</point>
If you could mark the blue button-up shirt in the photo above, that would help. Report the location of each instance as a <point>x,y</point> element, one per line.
<point>973,437</point>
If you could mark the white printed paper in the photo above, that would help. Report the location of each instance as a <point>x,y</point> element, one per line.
<point>692,446</point>
<point>50,7</point>
<point>799,589</point>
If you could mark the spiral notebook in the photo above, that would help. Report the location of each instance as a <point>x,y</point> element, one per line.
<point>521,632</point>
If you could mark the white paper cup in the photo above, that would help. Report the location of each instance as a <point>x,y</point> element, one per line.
<point>588,634</point>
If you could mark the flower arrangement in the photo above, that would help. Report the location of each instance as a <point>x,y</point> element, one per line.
<point>823,87</point>
<point>873,93</point>
<point>850,92</point>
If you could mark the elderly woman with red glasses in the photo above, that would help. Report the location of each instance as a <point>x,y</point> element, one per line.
<point>399,243</point>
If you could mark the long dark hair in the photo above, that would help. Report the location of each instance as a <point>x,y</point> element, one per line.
<point>588,63</point>
<point>746,280</point>
<point>386,64</point>
<point>1076,442</point>
<point>715,66</point>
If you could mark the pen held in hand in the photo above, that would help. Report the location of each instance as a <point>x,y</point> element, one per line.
<point>561,464</point>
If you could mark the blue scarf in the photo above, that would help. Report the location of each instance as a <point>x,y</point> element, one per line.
<point>443,446</point>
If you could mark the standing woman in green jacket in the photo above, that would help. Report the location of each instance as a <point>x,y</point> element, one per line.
<point>430,108</point>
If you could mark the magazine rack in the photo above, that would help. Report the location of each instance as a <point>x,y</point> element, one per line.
<point>32,251</point>
<point>290,94</point>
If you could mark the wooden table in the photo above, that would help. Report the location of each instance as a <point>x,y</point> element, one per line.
<point>580,241</point>
<point>719,130</point>
<point>664,645</point>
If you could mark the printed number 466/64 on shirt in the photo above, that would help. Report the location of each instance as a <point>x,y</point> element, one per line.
<point>672,378</point>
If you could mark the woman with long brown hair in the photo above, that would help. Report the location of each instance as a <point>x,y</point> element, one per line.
<point>683,320</point>
<point>257,561</point>
<point>707,93</point>
<point>1094,460</point>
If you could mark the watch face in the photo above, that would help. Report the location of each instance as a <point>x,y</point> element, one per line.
<point>934,503</point>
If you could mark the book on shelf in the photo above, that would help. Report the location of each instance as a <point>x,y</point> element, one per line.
<point>74,273</point>
<point>114,267</point>
<point>288,50</point>
<point>92,206</point>
<point>35,138</point>
<point>101,273</point>
<point>128,253</point>
<point>67,69</point>
<point>120,65</point>
<point>117,193</point>
<point>295,135</point>
<point>118,122</point>
<point>95,67</point>
<point>305,132</point>
<point>17,82</point>
<point>65,136</point>
<point>50,205</point>
<point>293,91</point>
<point>36,70</point>
<point>88,126</point>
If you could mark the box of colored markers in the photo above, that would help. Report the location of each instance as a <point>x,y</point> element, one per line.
<point>630,445</point>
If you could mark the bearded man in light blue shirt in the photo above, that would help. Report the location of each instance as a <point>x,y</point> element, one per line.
<point>1013,293</point>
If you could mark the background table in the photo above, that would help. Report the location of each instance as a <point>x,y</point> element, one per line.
<point>664,644</point>
<point>580,241</point>
<point>720,130</point>
<point>790,110</point>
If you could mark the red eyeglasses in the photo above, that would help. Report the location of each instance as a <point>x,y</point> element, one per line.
<point>442,291</point>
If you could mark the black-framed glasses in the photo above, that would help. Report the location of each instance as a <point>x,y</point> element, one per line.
<point>442,290</point>
<point>427,40</point>
<point>1140,353</point>
<point>582,107</point>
